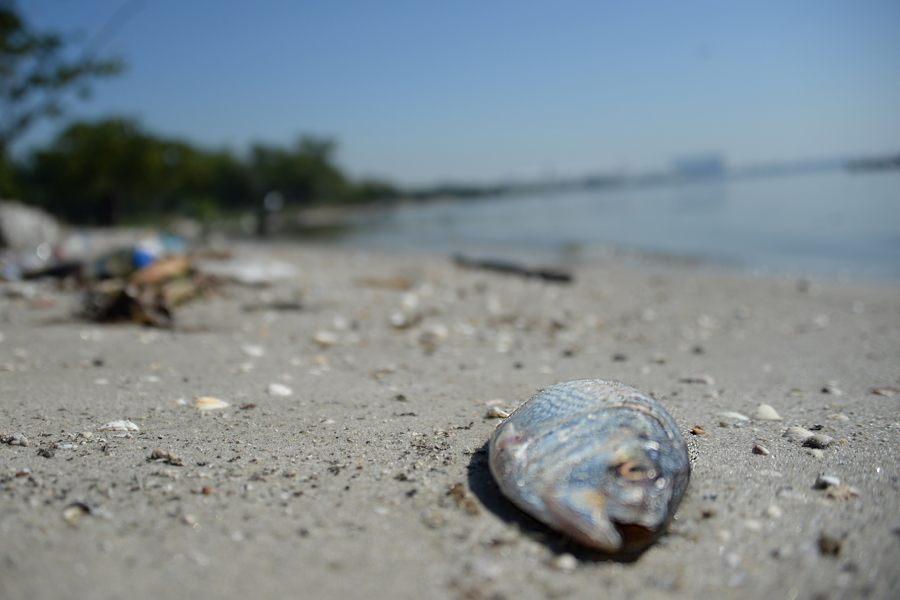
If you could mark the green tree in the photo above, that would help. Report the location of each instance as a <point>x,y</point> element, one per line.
<point>38,75</point>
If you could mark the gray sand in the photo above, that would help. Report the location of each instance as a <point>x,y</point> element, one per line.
<point>341,489</point>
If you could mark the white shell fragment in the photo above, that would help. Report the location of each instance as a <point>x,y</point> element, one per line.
<point>495,412</point>
<point>121,425</point>
<point>797,434</point>
<point>766,412</point>
<point>209,403</point>
<point>279,389</point>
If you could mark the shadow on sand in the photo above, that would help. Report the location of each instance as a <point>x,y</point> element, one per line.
<point>483,486</point>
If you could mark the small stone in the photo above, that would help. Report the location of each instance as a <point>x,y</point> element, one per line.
<point>824,481</point>
<point>766,412</point>
<point>798,434</point>
<point>325,339</point>
<point>829,545</point>
<point>122,425</point>
<point>209,403</point>
<point>774,511</point>
<point>73,513</point>
<point>495,412</point>
<point>16,439</point>
<point>698,430</point>
<point>818,440</point>
<point>167,457</point>
<point>253,350</point>
<point>841,492</point>
<point>832,389</point>
<point>278,389</point>
<point>761,450</point>
<point>888,392</point>
<point>565,563</point>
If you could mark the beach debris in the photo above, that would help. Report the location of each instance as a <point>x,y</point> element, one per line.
<point>829,545</point>
<point>121,425</point>
<point>495,412</point>
<point>730,418</point>
<point>551,275</point>
<point>698,379</point>
<point>818,440</point>
<point>765,412</point>
<point>209,403</point>
<point>14,439</point>
<point>698,430</point>
<point>463,499</point>
<point>824,481</point>
<point>73,513</point>
<point>760,450</point>
<point>605,464</point>
<point>164,456</point>
<point>324,338</point>
<point>279,389</point>
<point>254,273</point>
<point>564,563</point>
<point>888,391</point>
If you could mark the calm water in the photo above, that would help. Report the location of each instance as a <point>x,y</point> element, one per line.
<point>832,223</point>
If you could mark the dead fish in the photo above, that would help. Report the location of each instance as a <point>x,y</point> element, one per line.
<point>597,460</point>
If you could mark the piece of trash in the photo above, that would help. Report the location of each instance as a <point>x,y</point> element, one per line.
<point>511,268</point>
<point>209,403</point>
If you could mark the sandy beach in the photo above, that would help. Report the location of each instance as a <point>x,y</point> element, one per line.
<point>363,472</point>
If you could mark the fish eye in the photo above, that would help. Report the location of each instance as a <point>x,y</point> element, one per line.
<point>633,470</point>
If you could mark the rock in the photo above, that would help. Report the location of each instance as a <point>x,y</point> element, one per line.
<point>122,425</point>
<point>798,434</point>
<point>761,450</point>
<point>209,403</point>
<point>766,412</point>
<point>16,439</point>
<point>565,563</point>
<point>824,481</point>
<point>278,389</point>
<point>818,440</point>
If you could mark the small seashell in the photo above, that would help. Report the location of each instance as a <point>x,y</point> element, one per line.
<point>766,412</point>
<point>888,392</point>
<point>761,450</point>
<point>209,403</point>
<point>826,481</point>
<point>73,513</point>
<point>495,412</point>
<point>121,425</point>
<point>253,350</point>
<point>818,440</point>
<point>729,418</point>
<point>797,434</point>
<point>278,389</point>
<point>325,338</point>
<point>774,511</point>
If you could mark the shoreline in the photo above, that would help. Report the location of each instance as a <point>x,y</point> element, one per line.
<point>392,360</point>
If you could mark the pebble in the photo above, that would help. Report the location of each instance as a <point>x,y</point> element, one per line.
<point>16,439</point>
<point>798,434</point>
<point>253,350</point>
<point>565,563</point>
<point>761,450</point>
<point>209,403</point>
<point>818,440</point>
<point>121,425</point>
<point>325,338</point>
<point>279,389</point>
<point>825,481</point>
<point>732,419</point>
<point>495,412</point>
<point>766,412</point>
<point>774,511</point>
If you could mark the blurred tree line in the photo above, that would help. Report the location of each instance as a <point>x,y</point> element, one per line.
<point>113,170</point>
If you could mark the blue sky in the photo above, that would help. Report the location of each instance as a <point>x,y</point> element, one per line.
<point>424,91</point>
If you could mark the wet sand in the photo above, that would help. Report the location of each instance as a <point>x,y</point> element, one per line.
<point>342,489</point>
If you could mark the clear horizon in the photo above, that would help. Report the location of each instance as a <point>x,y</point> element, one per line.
<point>425,93</point>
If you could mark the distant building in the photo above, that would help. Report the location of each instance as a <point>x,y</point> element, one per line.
<point>709,165</point>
